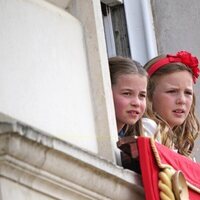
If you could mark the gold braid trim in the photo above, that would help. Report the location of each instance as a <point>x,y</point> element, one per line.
<point>157,157</point>
<point>165,185</point>
<point>172,184</point>
<point>165,176</point>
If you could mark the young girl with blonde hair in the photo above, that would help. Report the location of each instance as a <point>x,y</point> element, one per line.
<point>171,99</point>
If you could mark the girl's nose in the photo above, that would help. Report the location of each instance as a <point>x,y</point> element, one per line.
<point>180,99</point>
<point>135,101</point>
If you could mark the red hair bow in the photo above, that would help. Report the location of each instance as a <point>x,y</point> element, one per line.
<point>189,60</point>
<point>182,57</point>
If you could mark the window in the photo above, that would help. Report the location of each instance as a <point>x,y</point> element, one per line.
<point>115,30</point>
<point>129,30</point>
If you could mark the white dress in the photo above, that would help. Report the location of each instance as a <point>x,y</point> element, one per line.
<point>150,127</point>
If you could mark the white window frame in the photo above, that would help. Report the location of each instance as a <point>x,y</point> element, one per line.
<point>108,29</point>
<point>140,30</point>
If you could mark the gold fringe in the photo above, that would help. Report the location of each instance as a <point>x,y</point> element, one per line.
<point>170,170</point>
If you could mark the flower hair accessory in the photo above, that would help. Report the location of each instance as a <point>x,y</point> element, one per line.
<point>181,57</point>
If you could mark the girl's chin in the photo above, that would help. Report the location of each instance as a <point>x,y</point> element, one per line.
<point>132,122</point>
<point>176,123</point>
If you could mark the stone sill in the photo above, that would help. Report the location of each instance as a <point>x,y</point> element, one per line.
<point>51,161</point>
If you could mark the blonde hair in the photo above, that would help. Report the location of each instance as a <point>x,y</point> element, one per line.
<point>182,137</point>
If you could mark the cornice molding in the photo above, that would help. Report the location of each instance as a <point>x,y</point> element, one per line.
<point>57,168</point>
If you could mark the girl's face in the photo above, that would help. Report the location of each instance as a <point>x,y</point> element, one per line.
<point>129,95</point>
<point>173,97</point>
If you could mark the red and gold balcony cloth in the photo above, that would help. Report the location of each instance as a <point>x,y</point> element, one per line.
<point>150,169</point>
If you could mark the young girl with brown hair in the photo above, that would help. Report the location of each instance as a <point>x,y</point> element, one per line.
<point>129,88</point>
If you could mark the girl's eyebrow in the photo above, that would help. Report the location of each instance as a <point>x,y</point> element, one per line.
<point>126,89</point>
<point>176,87</point>
<point>132,91</point>
<point>172,88</point>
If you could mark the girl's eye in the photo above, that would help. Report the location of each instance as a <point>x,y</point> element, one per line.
<point>188,93</point>
<point>171,91</point>
<point>126,93</point>
<point>143,95</point>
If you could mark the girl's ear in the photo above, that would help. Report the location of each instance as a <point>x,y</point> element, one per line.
<point>149,104</point>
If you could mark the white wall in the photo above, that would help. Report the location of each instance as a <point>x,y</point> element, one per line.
<point>43,71</point>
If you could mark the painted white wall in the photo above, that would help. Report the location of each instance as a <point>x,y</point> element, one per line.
<point>43,72</point>
<point>88,12</point>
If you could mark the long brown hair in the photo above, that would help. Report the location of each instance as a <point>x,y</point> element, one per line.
<point>119,65</point>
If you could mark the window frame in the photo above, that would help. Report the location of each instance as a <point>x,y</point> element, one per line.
<point>140,28</point>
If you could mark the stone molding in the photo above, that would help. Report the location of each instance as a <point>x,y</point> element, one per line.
<point>58,169</point>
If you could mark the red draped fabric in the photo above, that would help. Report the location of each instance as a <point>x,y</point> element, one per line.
<point>150,170</point>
